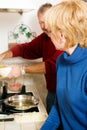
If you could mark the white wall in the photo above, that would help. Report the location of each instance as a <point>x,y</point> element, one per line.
<point>24,4</point>
<point>9,20</point>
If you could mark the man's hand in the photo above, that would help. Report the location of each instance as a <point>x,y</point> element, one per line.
<point>7,54</point>
<point>15,71</point>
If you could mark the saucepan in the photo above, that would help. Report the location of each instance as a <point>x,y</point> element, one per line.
<point>21,101</point>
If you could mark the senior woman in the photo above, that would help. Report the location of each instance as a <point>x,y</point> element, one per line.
<point>67,26</point>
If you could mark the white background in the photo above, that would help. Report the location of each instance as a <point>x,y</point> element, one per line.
<point>8,21</point>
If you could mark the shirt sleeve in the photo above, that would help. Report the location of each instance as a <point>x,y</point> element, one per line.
<point>30,50</point>
<point>53,121</point>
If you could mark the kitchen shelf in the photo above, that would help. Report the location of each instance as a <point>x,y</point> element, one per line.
<point>10,10</point>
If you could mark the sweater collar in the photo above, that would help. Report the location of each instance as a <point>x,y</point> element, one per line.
<point>78,54</point>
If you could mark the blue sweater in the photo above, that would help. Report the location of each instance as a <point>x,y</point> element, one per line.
<point>70,108</point>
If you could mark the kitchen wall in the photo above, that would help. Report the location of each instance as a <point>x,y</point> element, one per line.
<point>8,21</point>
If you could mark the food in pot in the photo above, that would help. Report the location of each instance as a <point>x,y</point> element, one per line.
<point>21,102</point>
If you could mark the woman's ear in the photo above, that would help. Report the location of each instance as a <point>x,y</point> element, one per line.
<point>63,39</point>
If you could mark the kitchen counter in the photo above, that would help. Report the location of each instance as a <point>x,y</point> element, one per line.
<point>27,121</point>
<point>31,120</point>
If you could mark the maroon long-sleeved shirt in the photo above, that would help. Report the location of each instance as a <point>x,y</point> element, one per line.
<point>41,47</point>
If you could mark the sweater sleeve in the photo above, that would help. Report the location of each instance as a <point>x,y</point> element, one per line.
<point>51,62</point>
<point>52,122</point>
<point>31,50</point>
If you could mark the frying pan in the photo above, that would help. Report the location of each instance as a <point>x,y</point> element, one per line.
<point>21,101</point>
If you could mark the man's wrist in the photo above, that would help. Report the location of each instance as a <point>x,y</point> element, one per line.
<point>22,70</point>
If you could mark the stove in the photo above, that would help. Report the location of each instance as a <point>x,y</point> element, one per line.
<point>8,110</point>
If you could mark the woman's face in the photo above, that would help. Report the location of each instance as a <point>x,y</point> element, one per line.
<point>58,40</point>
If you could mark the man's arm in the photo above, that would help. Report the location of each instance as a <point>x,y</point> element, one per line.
<point>35,68</point>
<point>7,54</point>
<point>17,70</point>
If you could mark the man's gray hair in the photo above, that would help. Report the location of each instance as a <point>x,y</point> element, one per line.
<point>44,7</point>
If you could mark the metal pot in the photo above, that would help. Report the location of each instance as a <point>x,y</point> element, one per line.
<point>21,101</point>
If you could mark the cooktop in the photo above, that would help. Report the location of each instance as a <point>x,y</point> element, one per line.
<point>4,109</point>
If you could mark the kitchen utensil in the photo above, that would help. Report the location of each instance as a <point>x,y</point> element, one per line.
<point>1,90</point>
<point>4,71</point>
<point>21,101</point>
<point>6,119</point>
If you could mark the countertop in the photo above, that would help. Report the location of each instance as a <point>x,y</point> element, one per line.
<point>26,121</point>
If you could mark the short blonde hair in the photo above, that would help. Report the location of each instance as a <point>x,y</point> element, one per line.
<point>70,17</point>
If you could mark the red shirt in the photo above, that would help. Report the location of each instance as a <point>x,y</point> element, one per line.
<point>41,47</point>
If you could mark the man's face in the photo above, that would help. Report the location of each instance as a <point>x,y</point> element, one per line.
<point>41,22</point>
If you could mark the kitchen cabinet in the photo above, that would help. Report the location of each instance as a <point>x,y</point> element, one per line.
<point>10,10</point>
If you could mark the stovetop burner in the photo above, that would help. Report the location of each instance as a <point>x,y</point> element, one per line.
<point>8,110</point>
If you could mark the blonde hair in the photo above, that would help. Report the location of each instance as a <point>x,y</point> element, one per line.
<point>69,17</point>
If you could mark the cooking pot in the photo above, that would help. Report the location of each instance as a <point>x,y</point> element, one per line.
<point>21,101</point>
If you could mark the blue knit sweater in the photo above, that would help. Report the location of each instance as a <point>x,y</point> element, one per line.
<point>70,108</point>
